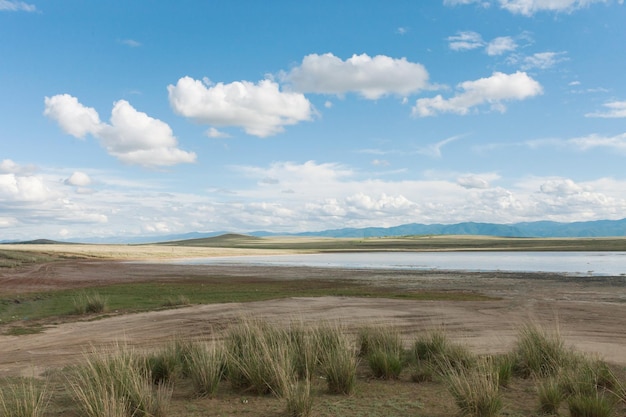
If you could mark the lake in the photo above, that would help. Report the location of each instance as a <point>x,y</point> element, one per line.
<point>575,263</point>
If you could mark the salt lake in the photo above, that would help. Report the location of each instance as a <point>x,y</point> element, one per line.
<point>575,263</point>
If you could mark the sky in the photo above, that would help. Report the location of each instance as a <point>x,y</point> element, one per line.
<point>147,118</point>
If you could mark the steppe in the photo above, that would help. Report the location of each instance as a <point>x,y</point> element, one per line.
<point>482,310</point>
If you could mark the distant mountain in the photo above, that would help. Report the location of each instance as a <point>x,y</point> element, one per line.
<point>598,228</point>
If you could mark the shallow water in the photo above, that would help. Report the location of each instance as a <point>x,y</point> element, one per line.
<point>576,263</point>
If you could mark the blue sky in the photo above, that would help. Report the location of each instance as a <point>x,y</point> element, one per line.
<point>158,117</point>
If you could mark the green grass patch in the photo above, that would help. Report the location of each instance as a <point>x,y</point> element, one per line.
<point>15,258</point>
<point>121,298</point>
<point>24,330</point>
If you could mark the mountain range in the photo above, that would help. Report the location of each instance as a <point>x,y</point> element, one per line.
<point>598,228</point>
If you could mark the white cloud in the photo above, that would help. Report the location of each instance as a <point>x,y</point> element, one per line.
<point>530,7</point>
<point>561,187</point>
<point>16,6</point>
<point>214,133</point>
<point>131,42</point>
<point>78,179</point>
<point>260,109</point>
<point>617,143</point>
<point>328,104</point>
<point>11,167</point>
<point>74,118</point>
<point>494,90</point>
<point>500,45</point>
<point>464,41</point>
<point>434,150</point>
<point>370,77</point>
<point>23,188</point>
<point>615,109</point>
<point>543,60</point>
<point>473,181</point>
<point>483,3</point>
<point>402,30</point>
<point>468,40</point>
<point>132,136</point>
<point>380,162</point>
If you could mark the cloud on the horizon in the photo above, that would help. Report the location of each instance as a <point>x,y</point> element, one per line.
<point>293,197</point>
<point>261,109</point>
<point>614,109</point>
<point>16,6</point>
<point>369,77</point>
<point>132,136</point>
<point>493,90</point>
<point>530,7</point>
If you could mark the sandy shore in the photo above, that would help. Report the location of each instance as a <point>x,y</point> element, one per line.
<point>590,312</point>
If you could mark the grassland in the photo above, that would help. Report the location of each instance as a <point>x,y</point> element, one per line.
<point>41,284</point>
<point>237,245</point>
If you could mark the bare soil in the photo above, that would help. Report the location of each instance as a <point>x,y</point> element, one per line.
<point>589,311</point>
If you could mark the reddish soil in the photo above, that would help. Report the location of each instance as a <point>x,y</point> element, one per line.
<point>590,311</point>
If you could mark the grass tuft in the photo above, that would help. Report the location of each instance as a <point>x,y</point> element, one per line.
<point>92,303</point>
<point>540,353</point>
<point>25,398</point>
<point>476,390</point>
<point>118,384</point>
<point>206,367</point>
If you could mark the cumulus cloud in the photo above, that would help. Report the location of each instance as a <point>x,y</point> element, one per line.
<point>500,45</point>
<point>530,7</point>
<point>78,179</point>
<point>370,77</point>
<point>16,6</point>
<point>261,109</point>
<point>23,188</point>
<point>614,109</point>
<point>561,187</point>
<point>74,118</point>
<point>493,90</point>
<point>132,136</point>
<point>11,167</point>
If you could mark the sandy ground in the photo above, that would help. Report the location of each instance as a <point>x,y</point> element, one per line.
<point>590,312</point>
